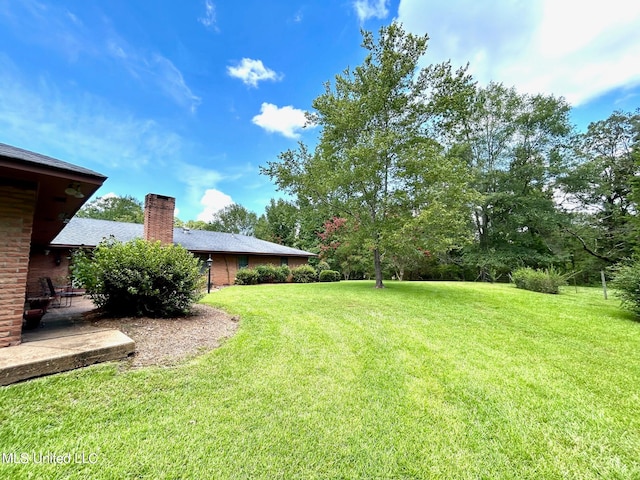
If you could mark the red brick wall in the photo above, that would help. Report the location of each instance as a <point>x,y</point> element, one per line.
<point>297,261</point>
<point>158,217</point>
<point>43,265</point>
<point>223,269</point>
<point>16,222</point>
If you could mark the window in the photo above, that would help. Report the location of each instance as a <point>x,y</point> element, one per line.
<point>243,261</point>
<point>284,261</point>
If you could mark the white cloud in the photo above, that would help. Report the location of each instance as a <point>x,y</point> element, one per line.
<point>579,50</point>
<point>209,18</point>
<point>155,69</point>
<point>286,120</point>
<point>252,71</point>
<point>213,201</point>
<point>366,9</point>
<point>171,81</point>
<point>197,178</point>
<point>200,183</point>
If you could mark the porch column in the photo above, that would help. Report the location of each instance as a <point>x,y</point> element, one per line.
<point>16,222</point>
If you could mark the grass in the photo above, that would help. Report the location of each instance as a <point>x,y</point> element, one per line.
<point>419,380</point>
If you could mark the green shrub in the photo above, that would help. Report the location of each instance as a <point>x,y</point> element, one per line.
<point>282,274</point>
<point>322,266</point>
<point>626,282</point>
<point>246,276</point>
<point>304,274</point>
<point>543,281</point>
<point>263,274</point>
<point>329,276</point>
<point>266,273</point>
<point>140,278</point>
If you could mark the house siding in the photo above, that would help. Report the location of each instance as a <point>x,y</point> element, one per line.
<point>16,223</point>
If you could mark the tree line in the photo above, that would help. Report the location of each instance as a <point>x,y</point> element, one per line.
<point>420,173</point>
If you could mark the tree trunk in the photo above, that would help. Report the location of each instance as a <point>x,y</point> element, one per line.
<point>378,268</point>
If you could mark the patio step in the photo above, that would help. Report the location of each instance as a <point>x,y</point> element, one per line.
<point>54,355</point>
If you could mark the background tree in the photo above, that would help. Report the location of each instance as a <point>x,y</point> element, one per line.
<point>279,223</point>
<point>120,209</point>
<point>234,218</point>
<point>600,188</point>
<point>344,249</point>
<point>373,141</point>
<point>514,145</point>
<point>191,224</point>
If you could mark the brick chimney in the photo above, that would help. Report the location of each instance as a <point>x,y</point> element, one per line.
<point>158,217</point>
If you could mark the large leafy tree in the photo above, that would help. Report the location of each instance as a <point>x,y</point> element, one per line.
<point>373,148</point>
<point>602,188</point>
<point>514,144</point>
<point>119,209</point>
<point>279,223</point>
<point>234,218</point>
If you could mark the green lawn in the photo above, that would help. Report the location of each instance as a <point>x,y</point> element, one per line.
<point>419,380</point>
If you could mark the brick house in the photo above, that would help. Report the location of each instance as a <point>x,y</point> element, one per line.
<point>38,196</point>
<point>229,252</point>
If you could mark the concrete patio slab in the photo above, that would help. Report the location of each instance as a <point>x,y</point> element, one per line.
<point>59,354</point>
<point>64,341</point>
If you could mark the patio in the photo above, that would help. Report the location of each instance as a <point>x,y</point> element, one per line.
<point>64,341</point>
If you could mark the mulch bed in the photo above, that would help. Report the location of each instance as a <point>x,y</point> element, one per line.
<point>165,341</point>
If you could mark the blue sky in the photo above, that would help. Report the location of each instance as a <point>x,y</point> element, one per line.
<point>189,98</point>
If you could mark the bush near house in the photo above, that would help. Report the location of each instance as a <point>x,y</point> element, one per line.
<point>263,274</point>
<point>329,276</point>
<point>271,274</point>
<point>304,274</point>
<point>322,265</point>
<point>626,281</point>
<point>140,278</point>
<point>246,276</point>
<point>543,281</point>
<point>283,272</point>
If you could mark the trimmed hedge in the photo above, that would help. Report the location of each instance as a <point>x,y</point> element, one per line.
<point>282,274</point>
<point>246,276</point>
<point>329,276</point>
<point>270,274</point>
<point>262,274</point>
<point>304,274</point>
<point>543,281</point>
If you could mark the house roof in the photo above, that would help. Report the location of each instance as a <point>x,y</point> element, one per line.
<point>37,159</point>
<point>50,179</point>
<point>89,232</point>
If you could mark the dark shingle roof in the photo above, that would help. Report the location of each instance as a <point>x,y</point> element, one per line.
<point>89,232</point>
<point>9,151</point>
